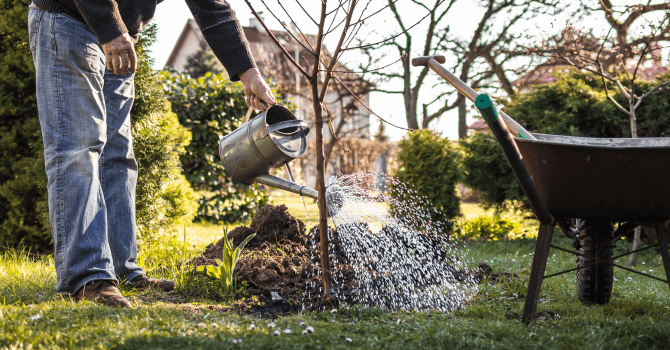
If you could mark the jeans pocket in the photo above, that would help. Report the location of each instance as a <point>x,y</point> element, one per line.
<point>34,18</point>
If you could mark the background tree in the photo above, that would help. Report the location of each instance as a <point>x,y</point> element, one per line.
<point>482,60</point>
<point>403,46</point>
<point>202,62</point>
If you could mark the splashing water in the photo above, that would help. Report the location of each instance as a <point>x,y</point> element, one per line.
<point>389,253</point>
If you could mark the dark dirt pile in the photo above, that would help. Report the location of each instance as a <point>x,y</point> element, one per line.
<point>277,265</point>
<point>281,263</point>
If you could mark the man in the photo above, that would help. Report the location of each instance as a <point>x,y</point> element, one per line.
<point>85,63</point>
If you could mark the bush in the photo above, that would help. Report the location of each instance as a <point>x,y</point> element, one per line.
<point>163,197</point>
<point>487,171</point>
<point>211,107</point>
<point>487,228</point>
<point>575,105</point>
<point>428,163</point>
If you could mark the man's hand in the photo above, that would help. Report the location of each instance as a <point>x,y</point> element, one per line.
<point>259,95</point>
<point>120,55</point>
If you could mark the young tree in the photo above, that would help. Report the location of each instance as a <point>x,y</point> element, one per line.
<point>346,18</point>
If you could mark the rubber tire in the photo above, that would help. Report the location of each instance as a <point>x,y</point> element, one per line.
<point>594,284</point>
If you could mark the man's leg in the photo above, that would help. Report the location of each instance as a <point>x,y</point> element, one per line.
<point>118,175</point>
<point>69,72</point>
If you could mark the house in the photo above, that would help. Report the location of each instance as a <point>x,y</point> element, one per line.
<point>479,127</point>
<point>350,119</point>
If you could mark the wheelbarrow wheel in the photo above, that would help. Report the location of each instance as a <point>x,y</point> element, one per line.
<point>594,283</point>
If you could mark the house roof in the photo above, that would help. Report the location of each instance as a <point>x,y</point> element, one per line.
<point>478,125</point>
<point>271,60</point>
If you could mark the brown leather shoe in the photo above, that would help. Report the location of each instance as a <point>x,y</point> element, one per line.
<point>104,292</point>
<point>143,282</point>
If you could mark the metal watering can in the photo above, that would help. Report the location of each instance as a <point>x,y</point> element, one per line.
<point>267,142</point>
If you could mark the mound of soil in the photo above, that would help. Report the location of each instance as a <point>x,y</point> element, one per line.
<point>277,265</point>
<point>281,263</point>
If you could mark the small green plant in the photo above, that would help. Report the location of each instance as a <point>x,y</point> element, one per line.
<point>224,272</point>
<point>490,228</point>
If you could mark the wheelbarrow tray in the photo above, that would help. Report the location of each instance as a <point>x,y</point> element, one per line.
<point>621,179</point>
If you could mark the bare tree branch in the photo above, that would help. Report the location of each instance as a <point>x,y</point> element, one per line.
<point>274,38</point>
<point>368,108</point>
<point>307,13</point>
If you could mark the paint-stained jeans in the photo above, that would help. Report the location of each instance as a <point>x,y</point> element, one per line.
<point>84,111</point>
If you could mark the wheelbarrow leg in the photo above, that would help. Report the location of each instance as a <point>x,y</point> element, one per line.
<point>542,247</point>
<point>662,235</point>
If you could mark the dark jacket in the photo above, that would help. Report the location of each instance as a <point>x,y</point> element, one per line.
<point>112,18</point>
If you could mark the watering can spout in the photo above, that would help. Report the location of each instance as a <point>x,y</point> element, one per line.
<point>334,199</point>
<point>282,184</point>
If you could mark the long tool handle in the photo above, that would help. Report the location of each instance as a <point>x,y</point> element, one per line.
<point>499,130</point>
<point>468,92</point>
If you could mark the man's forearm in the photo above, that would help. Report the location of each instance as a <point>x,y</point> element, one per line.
<point>103,17</point>
<point>224,35</point>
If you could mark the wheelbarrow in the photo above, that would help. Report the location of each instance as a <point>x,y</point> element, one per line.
<point>584,186</point>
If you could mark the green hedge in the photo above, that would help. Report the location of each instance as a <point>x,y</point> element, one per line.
<point>428,163</point>
<point>210,107</point>
<point>23,199</point>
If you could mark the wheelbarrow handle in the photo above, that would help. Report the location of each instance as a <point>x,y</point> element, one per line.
<point>434,63</point>
<point>511,151</point>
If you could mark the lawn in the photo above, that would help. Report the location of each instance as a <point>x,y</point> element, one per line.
<point>33,316</point>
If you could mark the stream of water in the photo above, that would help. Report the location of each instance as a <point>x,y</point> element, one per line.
<point>391,253</point>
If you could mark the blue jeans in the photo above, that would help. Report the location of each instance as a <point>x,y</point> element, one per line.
<point>84,111</point>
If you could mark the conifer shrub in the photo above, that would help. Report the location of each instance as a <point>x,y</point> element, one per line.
<point>428,164</point>
<point>487,172</point>
<point>164,198</point>
<point>24,219</point>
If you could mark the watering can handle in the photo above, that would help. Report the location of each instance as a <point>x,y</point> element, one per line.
<point>288,124</point>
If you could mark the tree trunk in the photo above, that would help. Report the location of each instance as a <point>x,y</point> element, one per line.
<point>638,230</point>
<point>321,186</point>
<point>636,244</point>
<point>462,123</point>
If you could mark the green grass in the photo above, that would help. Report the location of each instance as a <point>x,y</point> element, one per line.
<point>33,316</point>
